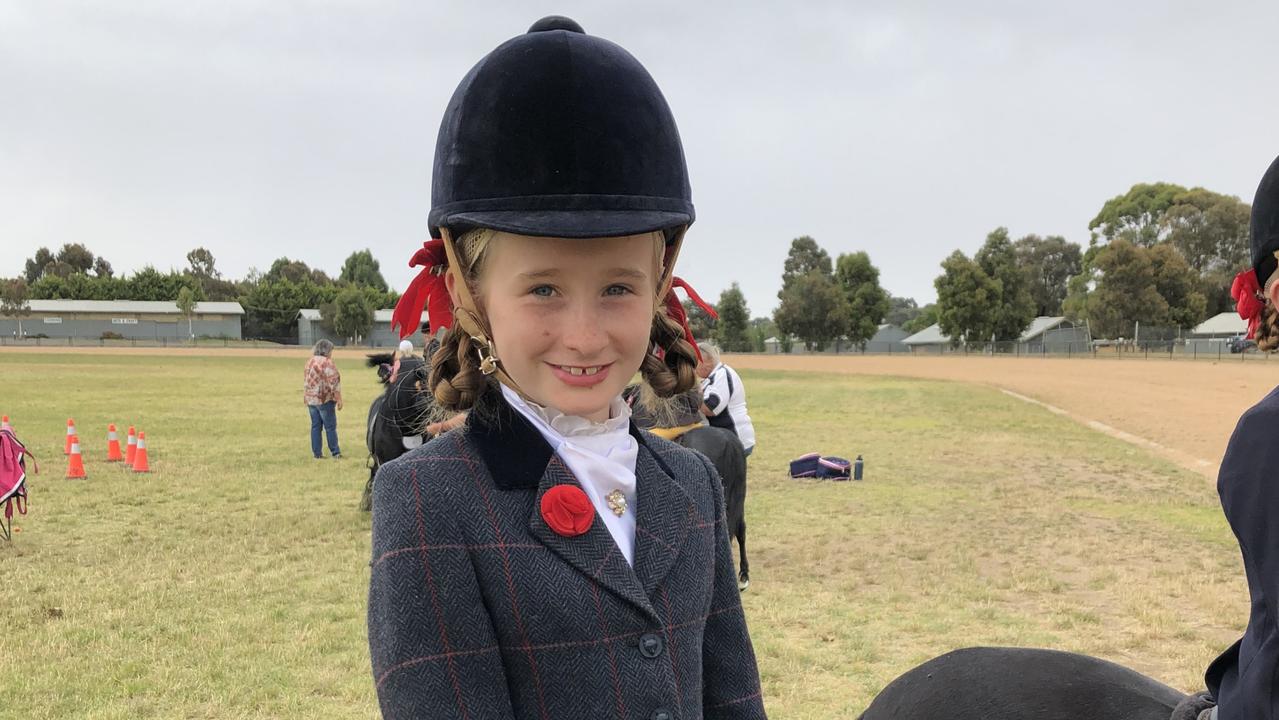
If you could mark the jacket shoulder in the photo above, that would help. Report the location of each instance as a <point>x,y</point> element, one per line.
<point>690,468</point>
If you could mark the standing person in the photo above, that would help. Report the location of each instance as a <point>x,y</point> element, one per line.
<point>1243,678</point>
<point>322,392</point>
<point>548,560</point>
<point>724,397</point>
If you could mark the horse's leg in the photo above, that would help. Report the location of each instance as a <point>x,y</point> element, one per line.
<point>366,500</point>
<point>744,574</point>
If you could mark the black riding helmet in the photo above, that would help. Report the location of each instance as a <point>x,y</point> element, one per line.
<point>557,133</point>
<point>1265,224</point>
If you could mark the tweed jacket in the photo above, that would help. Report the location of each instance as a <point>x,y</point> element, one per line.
<point>478,609</point>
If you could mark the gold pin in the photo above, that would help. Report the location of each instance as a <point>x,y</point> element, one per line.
<point>617,502</point>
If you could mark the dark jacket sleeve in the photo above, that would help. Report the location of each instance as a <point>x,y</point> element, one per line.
<point>1242,678</point>
<point>434,652</point>
<point>730,677</point>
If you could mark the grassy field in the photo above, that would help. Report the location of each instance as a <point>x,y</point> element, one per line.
<point>230,582</point>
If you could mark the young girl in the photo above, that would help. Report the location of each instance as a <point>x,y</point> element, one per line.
<point>547,559</point>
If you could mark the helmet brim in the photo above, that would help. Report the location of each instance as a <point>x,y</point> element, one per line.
<point>568,223</point>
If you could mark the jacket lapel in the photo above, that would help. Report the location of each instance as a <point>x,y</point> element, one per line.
<point>662,518</point>
<point>594,554</point>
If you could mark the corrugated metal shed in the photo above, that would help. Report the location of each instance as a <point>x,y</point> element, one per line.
<point>1226,324</point>
<point>931,335</point>
<point>130,306</point>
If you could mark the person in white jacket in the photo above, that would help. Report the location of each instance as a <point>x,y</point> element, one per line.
<point>724,397</point>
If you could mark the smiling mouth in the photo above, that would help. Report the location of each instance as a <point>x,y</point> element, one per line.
<point>581,370</point>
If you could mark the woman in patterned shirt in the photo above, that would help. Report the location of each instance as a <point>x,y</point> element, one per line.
<point>322,391</point>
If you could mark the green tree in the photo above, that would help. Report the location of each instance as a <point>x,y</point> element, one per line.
<point>926,318</point>
<point>1125,292</point>
<point>1048,263</point>
<point>699,321</point>
<point>186,306</point>
<point>1209,229</point>
<point>866,302</point>
<point>814,309</point>
<point>1137,215</point>
<point>901,311</point>
<point>77,256</point>
<point>294,271</point>
<point>966,300</point>
<point>1014,309</point>
<point>102,268</point>
<point>805,256</point>
<point>352,315</point>
<point>1177,283</point>
<point>761,329</point>
<point>36,264</point>
<point>731,331</point>
<point>202,264</point>
<point>13,301</point>
<point>361,269</point>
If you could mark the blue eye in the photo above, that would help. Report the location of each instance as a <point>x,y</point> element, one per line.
<point>621,290</point>
<point>542,291</point>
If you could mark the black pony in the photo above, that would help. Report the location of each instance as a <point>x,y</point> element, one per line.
<point>724,450</point>
<point>399,412</point>
<point>999,683</point>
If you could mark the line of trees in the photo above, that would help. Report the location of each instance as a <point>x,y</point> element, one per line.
<point>271,300</point>
<point>1159,254</point>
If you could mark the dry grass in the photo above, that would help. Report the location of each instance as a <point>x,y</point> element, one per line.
<point>230,583</point>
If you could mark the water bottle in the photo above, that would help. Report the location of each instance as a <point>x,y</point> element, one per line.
<point>857,468</point>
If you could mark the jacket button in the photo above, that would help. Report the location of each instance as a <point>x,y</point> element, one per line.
<point>661,714</point>
<point>650,646</point>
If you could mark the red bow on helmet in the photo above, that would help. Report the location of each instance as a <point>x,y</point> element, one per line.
<point>427,289</point>
<point>1249,301</point>
<point>675,309</point>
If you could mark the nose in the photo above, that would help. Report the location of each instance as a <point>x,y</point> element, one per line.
<point>584,332</point>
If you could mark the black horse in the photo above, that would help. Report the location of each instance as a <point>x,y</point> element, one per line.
<point>989,683</point>
<point>724,450</point>
<point>399,412</point>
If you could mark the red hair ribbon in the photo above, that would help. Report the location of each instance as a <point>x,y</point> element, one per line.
<point>675,309</point>
<point>1249,301</point>
<point>427,289</point>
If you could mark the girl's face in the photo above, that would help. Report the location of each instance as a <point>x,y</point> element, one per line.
<point>570,318</point>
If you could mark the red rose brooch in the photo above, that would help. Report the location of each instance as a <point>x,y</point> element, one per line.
<point>567,510</point>
<point>1249,301</point>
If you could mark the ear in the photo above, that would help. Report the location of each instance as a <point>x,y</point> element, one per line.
<point>450,283</point>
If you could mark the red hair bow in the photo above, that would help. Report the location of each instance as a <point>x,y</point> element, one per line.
<point>675,309</point>
<point>1249,301</point>
<point>427,289</point>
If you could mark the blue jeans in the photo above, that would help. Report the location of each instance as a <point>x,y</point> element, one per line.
<point>324,416</point>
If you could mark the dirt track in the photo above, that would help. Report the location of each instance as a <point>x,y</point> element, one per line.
<point>1189,408</point>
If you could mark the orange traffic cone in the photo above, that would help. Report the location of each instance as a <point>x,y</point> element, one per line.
<point>113,445</point>
<point>70,434</point>
<point>4,424</point>
<point>140,457</point>
<point>133,447</point>
<point>75,463</point>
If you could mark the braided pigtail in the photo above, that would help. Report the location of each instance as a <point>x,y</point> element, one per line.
<point>1268,333</point>
<point>456,381</point>
<point>675,372</point>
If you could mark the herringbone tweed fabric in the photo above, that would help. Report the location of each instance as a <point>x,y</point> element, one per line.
<point>477,609</point>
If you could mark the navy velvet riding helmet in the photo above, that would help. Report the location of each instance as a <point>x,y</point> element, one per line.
<point>557,133</point>
<point>1265,224</point>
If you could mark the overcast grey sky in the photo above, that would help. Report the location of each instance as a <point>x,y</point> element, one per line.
<point>907,129</point>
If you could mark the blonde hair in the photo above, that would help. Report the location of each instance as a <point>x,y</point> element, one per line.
<point>1268,333</point>
<point>456,380</point>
